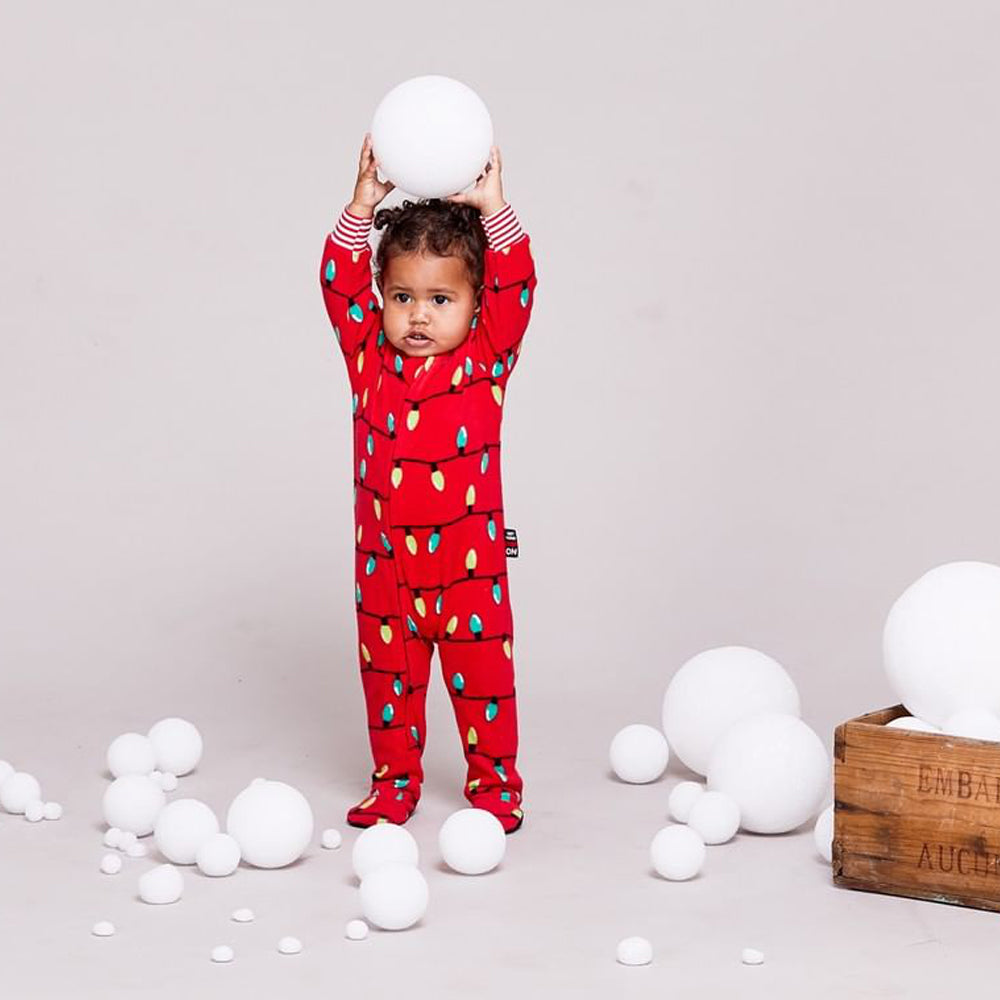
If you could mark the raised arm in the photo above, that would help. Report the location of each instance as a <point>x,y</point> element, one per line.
<point>508,281</point>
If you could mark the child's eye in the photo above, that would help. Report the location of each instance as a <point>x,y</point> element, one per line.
<point>397,295</point>
<point>445,297</point>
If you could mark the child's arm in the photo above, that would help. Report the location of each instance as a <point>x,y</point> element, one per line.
<point>508,280</point>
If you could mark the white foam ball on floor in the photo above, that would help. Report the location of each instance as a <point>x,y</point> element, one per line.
<point>18,790</point>
<point>431,135</point>
<point>383,844</point>
<point>682,797</point>
<point>34,811</point>
<point>177,745</point>
<point>272,822</point>
<point>112,837</point>
<point>218,856</point>
<point>168,781</point>
<point>639,753</point>
<point>111,864</point>
<point>331,839</point>
<point>130,753</point>
<point>160,885</point>
<point>910,722</point>
<point>941,641</point>
<point>6,770</point>
<point>677,852</point>
<point>289,946</point>
<point>103,928</point>
<point>634,951</point>
<point>775,767</point>
<point>715,817</point>
<point>182,827</point>
<point>823,834</point>
<point>53,810</point>
<point>973,723</point>
<point>751,956</point>
<point>717,688</point>
<point>132,803</point>
<point>394,896</point>
<point>356,930</point>
<point>127,839</point>
<point>243,915</point>
<point>472,841</point>
<point>135,849</point>
<point>222,953</point>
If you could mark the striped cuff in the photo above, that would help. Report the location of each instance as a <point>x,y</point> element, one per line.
<point>351,231</point>
<point>502,228</point>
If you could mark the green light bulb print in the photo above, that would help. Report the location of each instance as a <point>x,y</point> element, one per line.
<point>411,624</point>
<point>474,323</point>
<point>476,625</point>
<point>381,338</point>
<point>370,566</point>
<point>386,542</point>
<point>387,713</point>
<point>398,364</point>
<point>356,312</point>
<point>331,270</point>
<point>462,438</point>
<point>354,403</point>
<point>499,768</point>
<point>400,796</point>
<point>434,541</point>
<point>492,709</point>
<point>497,592</point>
<point>437,604</point>
<point>484,463</point>
<point>525,295</point>
<point>370,444</point>
<point>390,422</point>
<point>497,368</point>
<point>491,529</point>
<point>357,593</point>
<point>510,361</point>
<point>414,733</point>
<point>401,782</point>
<point>458,682</point>
<point>397,687</point>
<point>363,467</point>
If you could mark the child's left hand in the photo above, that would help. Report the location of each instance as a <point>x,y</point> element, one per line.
<point>487,195</point>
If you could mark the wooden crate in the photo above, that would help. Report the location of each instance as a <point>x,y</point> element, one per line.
<point>916,814</point>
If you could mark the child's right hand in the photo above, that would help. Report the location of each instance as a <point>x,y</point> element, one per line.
<point>368,190</point>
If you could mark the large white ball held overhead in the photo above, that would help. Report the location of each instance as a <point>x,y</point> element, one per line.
<point>432,136</point>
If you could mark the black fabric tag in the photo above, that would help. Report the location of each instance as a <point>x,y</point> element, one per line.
<point>510,538</point>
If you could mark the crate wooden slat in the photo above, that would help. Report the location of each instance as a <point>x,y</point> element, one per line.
<point>916,814</point>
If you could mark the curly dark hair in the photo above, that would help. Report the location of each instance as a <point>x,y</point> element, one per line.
<point>436,226</point>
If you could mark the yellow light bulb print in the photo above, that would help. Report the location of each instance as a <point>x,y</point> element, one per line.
<point>368,802</point>
<point>470,496</point>
<point>378,385</point>
<point>386,632</point>
<point>452,624</point>
<point>360,526</point>
<point>381,771</point>
<point>474,784</point>
<point>498,395</point>
<point>506,648</point>
<point>397,476</point>
<point>428,361</point>
<point>437,478</point>
<point>378,509</point>
<point>472,737</point>
<point>470,561</point>
<point>418,603</point>
<point>361,360</point>
<point>411,544</point>
<point>365,654</point>
<point>413,418</point>
<point>364,398</point>
<point>456,376</point>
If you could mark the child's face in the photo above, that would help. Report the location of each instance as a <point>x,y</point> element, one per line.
<point>428,294</point>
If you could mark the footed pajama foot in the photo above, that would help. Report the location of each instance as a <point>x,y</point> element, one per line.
<point>385,803</point>
<point>503,803</point>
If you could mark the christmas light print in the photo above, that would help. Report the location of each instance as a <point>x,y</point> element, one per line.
<point>430,566</point>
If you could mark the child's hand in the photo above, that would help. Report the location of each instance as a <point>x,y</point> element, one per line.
<point>487,195</point>
<point>368,190</point>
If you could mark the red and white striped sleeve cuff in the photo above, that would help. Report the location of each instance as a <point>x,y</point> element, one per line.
<point>502,228</point>
<point>351,231</point>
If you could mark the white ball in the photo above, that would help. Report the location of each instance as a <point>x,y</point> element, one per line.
<point>432,136</point>
<point>751,956</point>
<point>683,797</point>
<point>103,928</point>
<point>639,754</point>
<point>383,844</point>
<point>222,953</point>
<point>823,834</point>
<point>6,770</point>
<point>127,839</point>
<point>714,690</point>
<point>132,803</point>
<point>177,745</point>
<point>34,811</point>
<point>218,856</point>
<point>182,827</point>
<point>111,864</point>
<point>160,885</point>
<point>331,839</point>
<point>909,722</point>
<point>775,767</point>
<point>18,790</point>
<point>130,753</point>
<point>715,817</point>
<point>272,822</point>
<point>677,852</point>
<point>941,642</point>
<point>136,850</point>
<point>168,781</point>
<point>472,841</point>
<point>357,930</point>
<point>634,951</point>
<point>113,837</point>
<point>53,810</point>
<point>973,723</point>
<point>394,896</point>
<point>243,915</point>
<point>289,946</point>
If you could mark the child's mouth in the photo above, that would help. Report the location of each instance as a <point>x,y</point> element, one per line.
<point>417,338</point>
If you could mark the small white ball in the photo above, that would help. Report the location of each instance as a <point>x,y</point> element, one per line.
<point>130,753</point>
<point>127,839</point>
<point>472,841</point>
<point>181,829</point>
<point>272,822</point>
<point>973,723</point>
<point>677,852</point>
<point>113,837</point>
<point>18,790</point>
<point>132,803</point>
<point>160,885</point>
<point>394,896</point>
<point>111,864</point>
<point>177,745</point>
<point>135,849</point>
<point>751,956</point>
<point>639,754</point>
<point>357,930</point>
<point>243,915</point>
<point>289,946</point>
<point>6,770</point>
<point>683,797</point>
<point>715,817</point>
<point>331,839</point>
<point>823,834</point>
<point>53,810</point>
<point>218,856</point>
<point>156,775</point>
<point>634,951</point>
<point>222,953</point>
<point>103,928</point>
<point>34,811</point>
<point>383,844</point>
<point>909,722</point>
<point>168,781</point>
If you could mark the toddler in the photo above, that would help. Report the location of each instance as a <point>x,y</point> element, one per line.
<point>428,373</point>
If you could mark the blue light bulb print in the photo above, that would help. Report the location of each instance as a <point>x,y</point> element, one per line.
<point>434,541</point>
<point>331,270</point>
<point>483,465</point>
<point>398,364</point>
<point>362,469</point>
<point>397,686</point>
<point>387,713</point>
<point>437,604</point>
<point>458,682</point>
<point>491,529</point>
<point>491,710</point>
<point>462,439</point>
<point>499,768</point>
<point>356,312</point>
<point>390,422</point>
<point>370,444</point>
<point>497,592</point>
<point>386,542</point>
<point>497,368</point>
<point>476,625</point>
<point>525,296</point>
<point>370,566</point>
